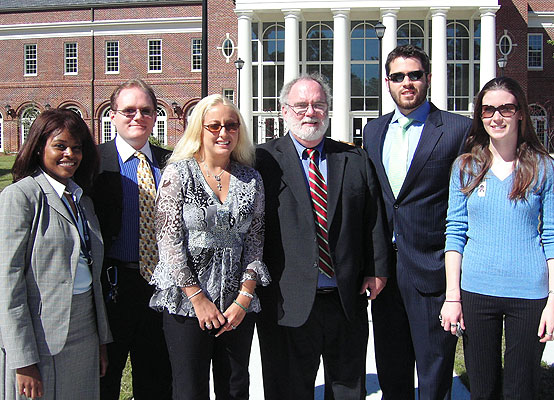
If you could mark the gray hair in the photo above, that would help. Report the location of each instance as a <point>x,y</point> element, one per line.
<point>316,77</point>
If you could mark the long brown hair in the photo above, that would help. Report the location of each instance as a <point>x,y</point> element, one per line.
<point>53,122</point>
<point>530,153</point>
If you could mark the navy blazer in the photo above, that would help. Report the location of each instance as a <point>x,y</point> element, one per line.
<point>107,193</point>
<point>357,239</point>
<point>418,216</point>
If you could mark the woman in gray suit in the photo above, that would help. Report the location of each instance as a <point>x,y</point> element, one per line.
<point>53,326</point>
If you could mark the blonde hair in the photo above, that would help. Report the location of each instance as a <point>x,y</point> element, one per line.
<point>191,141</point>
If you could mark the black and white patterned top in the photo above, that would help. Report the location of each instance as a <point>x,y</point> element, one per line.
<point>205,242</point>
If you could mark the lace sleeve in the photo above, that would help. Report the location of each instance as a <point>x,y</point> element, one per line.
<point>255,269</point>
<point>172,268</point>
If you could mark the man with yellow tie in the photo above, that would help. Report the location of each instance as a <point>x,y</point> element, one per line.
<point>412,149</point>
<point>124,198</point>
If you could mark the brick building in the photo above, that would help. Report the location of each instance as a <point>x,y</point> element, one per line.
<point>523,29</point>
<point>73,53</point>
<point>47,49</point>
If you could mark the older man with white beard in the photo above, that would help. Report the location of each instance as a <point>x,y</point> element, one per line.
<point>325,244</point>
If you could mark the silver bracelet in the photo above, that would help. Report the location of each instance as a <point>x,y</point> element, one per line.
<point>195,293</point>
<point>245,293</point>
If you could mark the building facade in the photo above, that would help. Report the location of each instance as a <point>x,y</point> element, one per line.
<point>73,53</point>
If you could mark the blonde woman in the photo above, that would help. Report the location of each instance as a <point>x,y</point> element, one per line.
<point>210,226</point>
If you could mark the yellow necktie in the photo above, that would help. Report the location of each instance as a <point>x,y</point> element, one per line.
<point>398,156</point>
<point>148,250</point>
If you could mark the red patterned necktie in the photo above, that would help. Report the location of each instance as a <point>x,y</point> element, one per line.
<point>318,191</point>
<point>148,249</point>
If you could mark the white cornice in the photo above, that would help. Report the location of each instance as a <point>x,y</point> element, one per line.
<point>541,19</point>
<point>101,28</point>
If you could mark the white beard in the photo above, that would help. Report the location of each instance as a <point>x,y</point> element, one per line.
<point>308,134</point>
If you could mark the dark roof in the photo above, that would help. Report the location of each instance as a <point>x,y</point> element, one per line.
<point>27,5</point>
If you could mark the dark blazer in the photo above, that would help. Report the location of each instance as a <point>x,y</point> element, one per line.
<point>39,253</point>
<point>357,239</point>
<point>108,193</point>
<point>418,215</point>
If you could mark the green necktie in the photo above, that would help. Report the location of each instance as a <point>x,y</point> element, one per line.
<point>398,156</point>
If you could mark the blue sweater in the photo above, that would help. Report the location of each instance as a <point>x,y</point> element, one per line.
<point>504,243</point>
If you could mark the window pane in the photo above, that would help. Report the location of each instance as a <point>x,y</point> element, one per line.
<point>372,79</point>
<point>357,79</point>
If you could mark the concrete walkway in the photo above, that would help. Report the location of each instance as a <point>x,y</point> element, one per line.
<point>459,391</point>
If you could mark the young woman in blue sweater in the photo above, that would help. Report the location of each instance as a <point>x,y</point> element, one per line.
<point>499,250</point>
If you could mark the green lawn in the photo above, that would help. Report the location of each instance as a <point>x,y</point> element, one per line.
<point>6,163</point>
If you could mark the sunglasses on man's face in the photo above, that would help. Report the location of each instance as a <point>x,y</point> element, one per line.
<point>506,110</point>
<point>398,77</point>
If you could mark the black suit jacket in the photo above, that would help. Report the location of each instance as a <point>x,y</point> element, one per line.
<point>357,239</point>
<point>418,216</point>
<point>107,193</point>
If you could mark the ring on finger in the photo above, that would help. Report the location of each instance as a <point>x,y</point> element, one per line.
<point>452,325</point>
<point>209,325</point>
<point>549,334</point>
<point>233,326</point>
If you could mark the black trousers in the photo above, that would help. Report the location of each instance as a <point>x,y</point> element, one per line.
<point>137,330</point>
<point>291,356</point>
<point>192,350</point>
<point>406,328</point>
<point>484,318</point>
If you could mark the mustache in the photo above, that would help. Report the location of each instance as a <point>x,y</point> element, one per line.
<point>310,120</point>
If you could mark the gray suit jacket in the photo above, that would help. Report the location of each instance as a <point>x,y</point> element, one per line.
<point>39,253</point>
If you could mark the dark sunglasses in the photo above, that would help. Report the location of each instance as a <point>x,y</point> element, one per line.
<point>506,110</point>
<point>230,127</point>
<point>131,112</point>
<point>398,77</point>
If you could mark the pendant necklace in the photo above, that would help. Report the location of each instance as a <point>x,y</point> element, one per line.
<point>216,177</point>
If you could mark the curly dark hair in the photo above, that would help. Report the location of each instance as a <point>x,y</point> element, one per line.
<point>408,51</point>
<point>49,123</point>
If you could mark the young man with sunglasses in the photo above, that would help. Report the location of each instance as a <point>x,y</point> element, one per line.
<point>413,149</point>
<point>124,206</point>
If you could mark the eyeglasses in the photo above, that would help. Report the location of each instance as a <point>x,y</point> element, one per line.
<point>398,77</point>
<point>302,108</point>
<point>231,127</point>
<point>506,110</point>
<point>131,112</point>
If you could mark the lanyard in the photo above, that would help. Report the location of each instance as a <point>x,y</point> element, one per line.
<point>85,241</point>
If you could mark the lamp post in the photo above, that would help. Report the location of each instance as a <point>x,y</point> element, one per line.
<point>239,63</point>
<point>380,32</point>
<point>502,62</point>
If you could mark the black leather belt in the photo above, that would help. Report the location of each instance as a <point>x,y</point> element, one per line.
<point>327,290</point>
<point>122,264</point>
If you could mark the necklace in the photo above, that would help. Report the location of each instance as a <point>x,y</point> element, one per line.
<point>216,177</point>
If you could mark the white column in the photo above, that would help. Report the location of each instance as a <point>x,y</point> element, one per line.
<point>438,63</point>
<point>389,18</point>
<point>245,52</point>
<point>341,126</point>
<point>292,17</point>
<point>488,44</point>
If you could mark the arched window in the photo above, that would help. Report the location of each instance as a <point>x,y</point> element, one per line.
<point>108,128</point>
<point>75,109</point>
<point>538,117</point>
<point>411,32</point>
<point>1,133</point>
<point>160,127</point>
<point>273,60</point>
<point>458,65</point>
<point>319,49</point>
<point>364,66</point>
<point>28,115</point>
